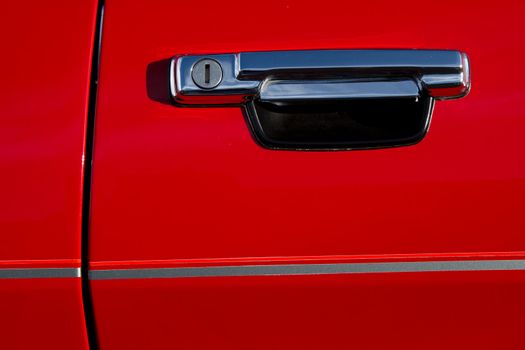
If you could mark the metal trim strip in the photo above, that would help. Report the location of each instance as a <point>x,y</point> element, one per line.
<point>40,273</point>
<point>308,269</point>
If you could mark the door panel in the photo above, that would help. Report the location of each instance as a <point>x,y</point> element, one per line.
<point>190,187</point>
<point>45,68</point>
<point>395,311</point>
<point>42,313</point>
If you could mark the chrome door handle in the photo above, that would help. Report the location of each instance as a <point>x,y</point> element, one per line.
<point>325,99</point>
<point>322,74</point>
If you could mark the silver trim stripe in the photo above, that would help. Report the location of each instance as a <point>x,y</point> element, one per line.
<point>308,269</point>
<point>68,272</point>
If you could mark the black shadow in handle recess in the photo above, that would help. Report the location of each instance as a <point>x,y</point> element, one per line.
<point>331,125</point>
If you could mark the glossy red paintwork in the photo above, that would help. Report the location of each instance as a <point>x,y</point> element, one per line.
<point>45,64</point>
<point>45,68</point>
<point>190,187</point>
<point>42,313</point>
<point>190,184</point>
<point>386,311</point>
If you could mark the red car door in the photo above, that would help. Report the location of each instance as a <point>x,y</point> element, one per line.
<point>203,237</point>
<point>45,69</point>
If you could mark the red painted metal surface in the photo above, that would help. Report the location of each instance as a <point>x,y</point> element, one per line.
<point>393,311</point>
<point>180,185</point>
<point>286,260</point>
<point>191,183</point>
<point>43,97</point>
<point>45,67</point>
<point>42,313</point>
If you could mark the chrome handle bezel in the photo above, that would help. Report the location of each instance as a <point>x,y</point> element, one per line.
<point>440,74</point>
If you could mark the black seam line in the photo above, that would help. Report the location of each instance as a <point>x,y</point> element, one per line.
<point>309,269</point>
<point>87,300</point>
<point>41,272</point>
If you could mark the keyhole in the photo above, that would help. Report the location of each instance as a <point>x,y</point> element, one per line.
<point>207,73</point>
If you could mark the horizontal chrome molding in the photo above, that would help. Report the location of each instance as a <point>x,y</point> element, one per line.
<point>67,272</point>
<point>257,65</point>
<point>309,269</point>
<point>298,90</point>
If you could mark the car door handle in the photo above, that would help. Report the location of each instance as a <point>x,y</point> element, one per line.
<point>440,73</point>
<point>283,87</point>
